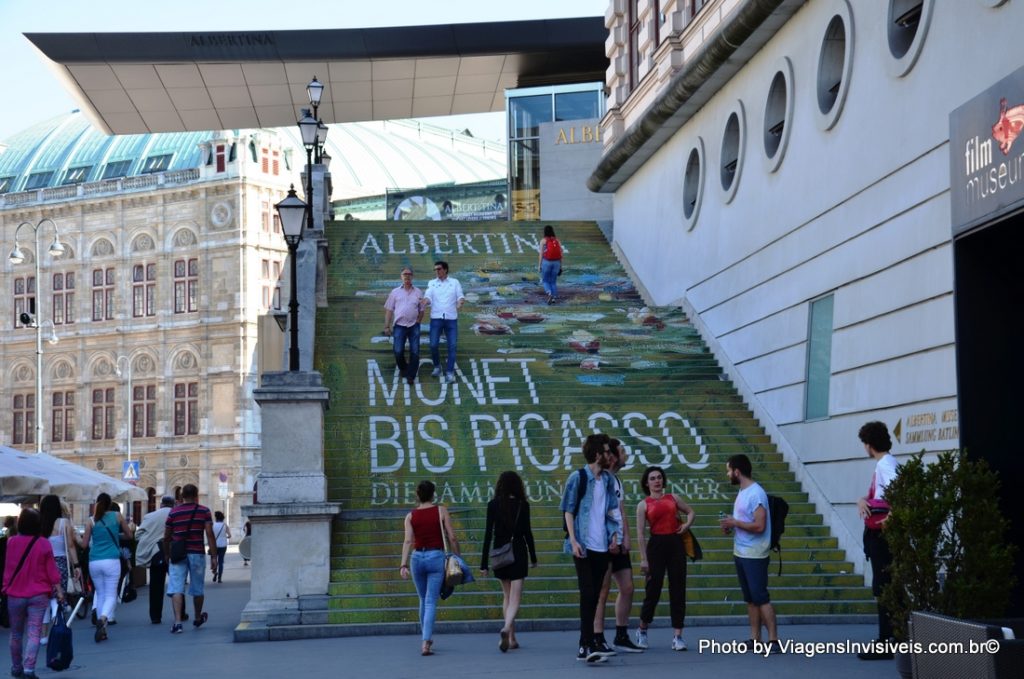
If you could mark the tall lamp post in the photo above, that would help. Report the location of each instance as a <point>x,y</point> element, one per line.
<point>314,91</point>
<point>29,317</point>
<point>128,401</point>
<point>309,128</point>
<point>291,211</point>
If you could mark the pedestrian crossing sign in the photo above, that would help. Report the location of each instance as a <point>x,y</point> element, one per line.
<point>130,471</point>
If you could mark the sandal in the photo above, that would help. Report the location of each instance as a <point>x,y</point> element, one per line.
<point>426,648</point>
<point>503,644</point>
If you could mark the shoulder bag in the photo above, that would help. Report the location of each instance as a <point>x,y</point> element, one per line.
<point>501,557</point>
<point>452,569</point>
<point>179,548</point>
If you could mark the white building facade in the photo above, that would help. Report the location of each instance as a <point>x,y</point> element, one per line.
<point>781,170</point>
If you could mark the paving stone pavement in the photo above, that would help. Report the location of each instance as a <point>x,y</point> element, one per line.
<point>137,648</point>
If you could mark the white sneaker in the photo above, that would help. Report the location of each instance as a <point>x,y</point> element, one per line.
<point>451,378</point>
<point>641,638</point>
<point>436,372</point>
<point>678,644</point>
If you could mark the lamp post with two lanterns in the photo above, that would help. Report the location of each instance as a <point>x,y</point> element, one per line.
<point>30,317</point>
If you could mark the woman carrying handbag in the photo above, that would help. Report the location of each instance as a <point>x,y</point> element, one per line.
<point>425,544</point>
<point>508,520</point>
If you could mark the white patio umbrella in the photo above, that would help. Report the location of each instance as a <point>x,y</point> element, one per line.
<point>27,474</point>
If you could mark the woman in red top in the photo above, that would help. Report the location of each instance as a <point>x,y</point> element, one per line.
<point>30,578</point>
<point>550,263</point>
<point>424,540</point>
<point>664,553</point>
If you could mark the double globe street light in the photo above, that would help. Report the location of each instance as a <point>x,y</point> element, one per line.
<point>30,316</point>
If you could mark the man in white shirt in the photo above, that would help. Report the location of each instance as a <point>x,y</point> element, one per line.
<point>875,511</point>
<point>444,295</point>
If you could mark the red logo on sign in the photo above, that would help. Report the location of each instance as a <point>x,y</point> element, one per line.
<point>1009,126</point>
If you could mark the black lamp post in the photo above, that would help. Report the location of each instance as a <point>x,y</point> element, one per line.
<point>308,128</point>
<point>290,211</point>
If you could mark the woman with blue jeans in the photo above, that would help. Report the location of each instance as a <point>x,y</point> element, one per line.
<point>550,263</point>
<point>425,543</point>
<point>30,578</point>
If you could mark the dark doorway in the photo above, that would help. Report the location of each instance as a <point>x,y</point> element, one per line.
<point>988,293</point>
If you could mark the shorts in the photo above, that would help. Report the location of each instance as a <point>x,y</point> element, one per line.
<point>753,576</point>
<point>195,567</point>
<point>620,562</point>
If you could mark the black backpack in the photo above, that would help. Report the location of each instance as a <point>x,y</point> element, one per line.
<point>581,490</point>
<point>778,510</point>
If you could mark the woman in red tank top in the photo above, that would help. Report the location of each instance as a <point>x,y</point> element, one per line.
<point>424,541</point>
<point>664,553</point>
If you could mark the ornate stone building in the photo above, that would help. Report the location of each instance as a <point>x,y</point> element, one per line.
<point>172,254</point>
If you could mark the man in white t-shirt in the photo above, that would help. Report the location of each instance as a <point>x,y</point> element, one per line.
<point>751,524</point>
<point>875,511</point>
<point>444,295</point>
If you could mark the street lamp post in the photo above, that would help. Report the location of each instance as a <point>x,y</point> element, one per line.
<point>290,211</point>
<point>30,317</point>
<point>128,400</point>
<point>314,91</point>
<point>309,128</point>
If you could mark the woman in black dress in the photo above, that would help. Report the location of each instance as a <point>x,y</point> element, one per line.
<point>508,520</point>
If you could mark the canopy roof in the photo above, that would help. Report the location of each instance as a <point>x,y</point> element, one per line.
<point>132,83</point>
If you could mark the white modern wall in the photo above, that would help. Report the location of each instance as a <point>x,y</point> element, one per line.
<point>860,211</point>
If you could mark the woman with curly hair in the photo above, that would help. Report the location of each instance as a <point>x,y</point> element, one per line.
<point>508,521</point>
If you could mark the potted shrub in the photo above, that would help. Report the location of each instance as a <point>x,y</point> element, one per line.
<point>946,535</point>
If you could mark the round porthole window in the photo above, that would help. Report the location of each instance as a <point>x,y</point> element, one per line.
<point>835,61</point>
<point>906,27</point>
<point>693,183</point>
<point>778,114</point>
<point>733,143</point>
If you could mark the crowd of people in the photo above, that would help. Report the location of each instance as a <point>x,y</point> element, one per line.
<point>43,560</point>
<point>598,538</point>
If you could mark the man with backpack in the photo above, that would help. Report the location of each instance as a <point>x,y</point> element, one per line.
<point>751,525</point>
<point>592,530</point>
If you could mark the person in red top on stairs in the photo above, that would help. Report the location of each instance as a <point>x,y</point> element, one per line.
<point>549,263</point>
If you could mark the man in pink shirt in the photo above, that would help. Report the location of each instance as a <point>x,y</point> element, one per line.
<point>403,312</point>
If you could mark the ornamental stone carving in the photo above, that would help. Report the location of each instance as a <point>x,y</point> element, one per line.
<point>102,248</point>
<point>186,361</point>
<point>184,238</point>
<point>63,371</point>
<point>144,365</point>
<point>104,369</point>
<point>221,214</point>
<point>143,243</point>
<point>22,374</point>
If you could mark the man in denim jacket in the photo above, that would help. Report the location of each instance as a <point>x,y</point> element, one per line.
<point>593,530</point>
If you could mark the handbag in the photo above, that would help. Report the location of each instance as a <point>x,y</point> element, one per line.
<point>878,509</point>
<point>500,557</point>
<point>59,649</point>
<point>692,547</point>
<point>179,548</point>
<point>452,568</point>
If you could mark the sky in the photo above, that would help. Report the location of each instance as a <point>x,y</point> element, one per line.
<point>33,93</point>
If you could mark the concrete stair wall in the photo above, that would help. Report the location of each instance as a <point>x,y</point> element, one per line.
<point>533,380</point>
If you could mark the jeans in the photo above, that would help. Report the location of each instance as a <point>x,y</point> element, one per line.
<point>105,574</point>
<point>450,326</point>
<point>428,575</point>
<point>590,578</point>
<point>195,568</point>
<point>26,620</point>
<point>549,269</point>
<point>221,551</point>
<point>401,334</point>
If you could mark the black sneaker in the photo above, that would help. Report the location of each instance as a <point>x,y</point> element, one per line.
<point>594,656</point>
<point>176,628</point>
<point>582,655</point>
<point>602,647</point>
<point>626,645</point>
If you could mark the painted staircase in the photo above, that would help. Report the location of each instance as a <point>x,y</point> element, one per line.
<point>533,380</point>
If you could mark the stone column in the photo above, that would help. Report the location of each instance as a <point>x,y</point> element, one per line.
<point>291,523</point>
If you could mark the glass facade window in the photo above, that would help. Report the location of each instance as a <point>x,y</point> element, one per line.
<point>527,113</point>
<point>76,175</point>
<point>63,298</point>
<point>819,358</point>
<point>24,407</point>
<point>63,416</point>
<point>38,180</point>
<point>186,283</point>
<point>143,410</point>
<point>103,294</point>
<point>117,169</point>
<point>102,414</point>
<point>143,290</point>
<point>578,105</point>
<point>157,163</point>
<point>186,417</point>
